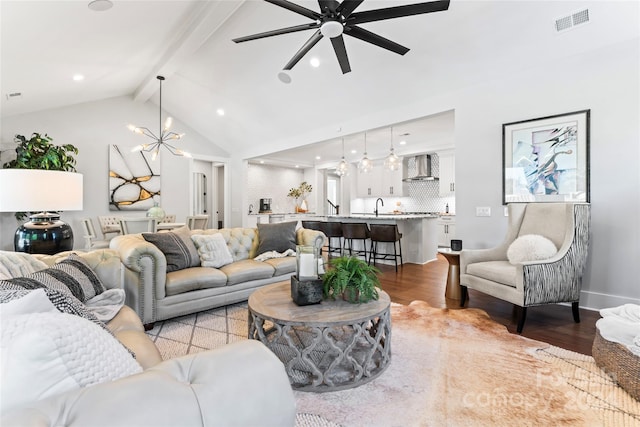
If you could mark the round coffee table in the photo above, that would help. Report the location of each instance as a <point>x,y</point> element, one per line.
<point>329,346</point>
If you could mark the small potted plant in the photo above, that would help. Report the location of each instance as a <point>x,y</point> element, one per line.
<point>351,278</point>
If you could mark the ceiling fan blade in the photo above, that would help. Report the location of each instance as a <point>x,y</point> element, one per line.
<point>315,38</point>
<point>347,7</point>
<point>341,53</point>
<point>369,37</point>
<point>287,30</point>
<point>398,11</point>
<point>296,8</point>
<point>328,5</point>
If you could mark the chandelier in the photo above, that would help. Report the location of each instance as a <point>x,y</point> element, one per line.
<point>365,164</point>
<point>164,135</point>
<point>343,167</point>
<point>392,161</point>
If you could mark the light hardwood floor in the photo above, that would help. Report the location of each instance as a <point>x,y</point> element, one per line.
<point>549,323</point>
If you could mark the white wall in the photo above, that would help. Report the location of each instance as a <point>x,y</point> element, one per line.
<point>605,81</point>
<point>92,127</point>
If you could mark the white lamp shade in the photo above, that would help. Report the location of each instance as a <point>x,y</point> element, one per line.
<point>31,190</point>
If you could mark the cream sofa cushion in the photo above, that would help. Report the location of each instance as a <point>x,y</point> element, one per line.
<point>194,278</point>
<point>497,271</point>
<point>247,270</point>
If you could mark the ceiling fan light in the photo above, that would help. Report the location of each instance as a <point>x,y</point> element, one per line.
<point>331,29</point>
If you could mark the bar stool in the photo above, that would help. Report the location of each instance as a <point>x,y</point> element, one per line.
<point>332,230</point>
<point>355,231</point>
<point>385,233</point>
<point>311,225</point>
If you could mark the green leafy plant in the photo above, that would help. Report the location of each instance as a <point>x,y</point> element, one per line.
<point>38,152</point>
<point>351,278</point>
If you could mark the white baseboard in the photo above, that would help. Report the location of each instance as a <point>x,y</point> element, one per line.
<point>597,301</point>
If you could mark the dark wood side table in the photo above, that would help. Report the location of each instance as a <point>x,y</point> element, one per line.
<point>452,290</point>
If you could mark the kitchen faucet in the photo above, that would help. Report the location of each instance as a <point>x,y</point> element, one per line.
<point>381,201</point>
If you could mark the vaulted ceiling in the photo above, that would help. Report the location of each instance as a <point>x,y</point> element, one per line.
<point>121,50</point>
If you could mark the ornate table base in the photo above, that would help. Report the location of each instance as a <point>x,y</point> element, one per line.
<point>332,355</point>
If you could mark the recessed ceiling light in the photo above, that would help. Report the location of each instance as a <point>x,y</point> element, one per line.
<point>220,112</point>
<point>318,157</point>
<point>315,62</point>
<point>262,162</point>
<point>78,77</point>
<point>354,151</point>
<point>403,142</point>
<point>100,5</point>
<point>297,166</point>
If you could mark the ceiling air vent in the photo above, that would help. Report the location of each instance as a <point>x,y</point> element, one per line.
<point>568,22</point>
<point>14,95</point>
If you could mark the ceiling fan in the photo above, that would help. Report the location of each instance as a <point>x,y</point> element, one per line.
<point>336,19</point>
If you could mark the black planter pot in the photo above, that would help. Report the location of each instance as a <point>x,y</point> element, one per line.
<point>306,292</point>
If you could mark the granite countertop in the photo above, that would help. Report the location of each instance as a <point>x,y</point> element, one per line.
<point>388,216</point>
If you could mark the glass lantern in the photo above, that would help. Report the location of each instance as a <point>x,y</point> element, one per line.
<point>307,260</point>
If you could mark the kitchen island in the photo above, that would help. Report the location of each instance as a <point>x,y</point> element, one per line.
<point>419,230</point>
<point>419,233</point>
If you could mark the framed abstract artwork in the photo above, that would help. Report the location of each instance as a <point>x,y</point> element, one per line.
<point>134,180</point>
<point>546,159</point>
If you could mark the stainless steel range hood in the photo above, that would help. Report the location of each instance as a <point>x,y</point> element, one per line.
<point>423,169</point>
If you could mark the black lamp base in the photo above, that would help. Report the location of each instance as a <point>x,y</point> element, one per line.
<point>43,234</point>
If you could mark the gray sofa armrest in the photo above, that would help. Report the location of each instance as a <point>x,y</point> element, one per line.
<point>145,273</point>
<point>240,384</point>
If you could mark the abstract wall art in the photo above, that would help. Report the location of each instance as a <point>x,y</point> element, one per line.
<point>134,180</point>
<point>546,159</point>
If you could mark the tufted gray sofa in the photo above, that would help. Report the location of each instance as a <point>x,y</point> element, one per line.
<point>157,295</point>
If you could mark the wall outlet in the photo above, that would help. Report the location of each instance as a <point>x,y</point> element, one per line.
<point>483,211</point>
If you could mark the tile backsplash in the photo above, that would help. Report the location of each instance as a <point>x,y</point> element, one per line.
<point>272,182</point>
<point>423,196</point>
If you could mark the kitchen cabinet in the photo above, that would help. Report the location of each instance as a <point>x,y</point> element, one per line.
<point>380,182</point>
<point>447,166</point>
<point>446,230</point>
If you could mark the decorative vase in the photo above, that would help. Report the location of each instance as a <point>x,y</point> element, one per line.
<point>156,212</point>
<point>303,207</point>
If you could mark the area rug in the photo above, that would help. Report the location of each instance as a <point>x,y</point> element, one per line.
<point>448,368</point>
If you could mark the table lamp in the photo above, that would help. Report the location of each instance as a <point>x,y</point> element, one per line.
<point>47,192</point>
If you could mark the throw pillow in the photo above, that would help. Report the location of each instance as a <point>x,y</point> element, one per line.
<point>212,249</point>
<point>177,247</point>
<point>14,264</point>
<point>45,354</point>
<point>72,275</point>
<point>64,302</point>
<point>531,247</point>
<point>276,237</point>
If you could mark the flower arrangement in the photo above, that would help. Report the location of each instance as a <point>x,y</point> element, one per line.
<point>299,193</point>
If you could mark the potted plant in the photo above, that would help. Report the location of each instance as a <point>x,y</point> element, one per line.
<point>351,278</point>
<point>300,192</point>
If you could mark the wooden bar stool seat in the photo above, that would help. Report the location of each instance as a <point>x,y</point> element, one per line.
<point>385,233</point>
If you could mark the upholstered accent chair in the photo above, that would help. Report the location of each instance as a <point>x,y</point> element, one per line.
<point>549,279</point>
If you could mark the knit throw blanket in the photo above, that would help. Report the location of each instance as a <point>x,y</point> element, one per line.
<point>16,264</point>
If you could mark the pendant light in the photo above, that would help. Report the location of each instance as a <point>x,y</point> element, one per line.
<point>343,167</point>
<point>164,135</point>
<point>392,162</point>
<point>365,164</point>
